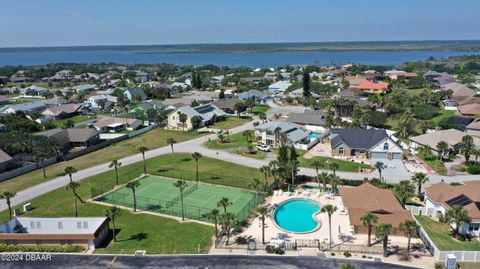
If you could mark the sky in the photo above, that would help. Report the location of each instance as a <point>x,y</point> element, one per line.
<point>27,23</point>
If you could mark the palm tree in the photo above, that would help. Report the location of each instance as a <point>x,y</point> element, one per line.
<point>410,228</point>
<point>133,185</point>
<point>325,177</point>
<point>476,153</point>
<point>334,182</point>
<point>419,179</point>
<point>317,166</point>
<point>183,119</point>
<point>256,185</point>
<point>214,215</point>
<point>456,217</point>
<point>262,213</point>
<point>369,220</point>
<point>227,219</point>
<point>142,150</point>
<point>384,230</point>
<point>379,166</point>
<point>467,146</point>
<point>112,213</point>
<point>334,167</point>
<point>181,185</point>
<point>404,190</point>
<point>246,134</point>
<point>442,147</point>
<point>41,155</point>
<point>265,170</point>
<point>172,141</point>
<point>8,196</point>
<point>70,170</point>
<point>224,202</point>
<point>196,156</point>
<point>273,165</point>
<point>73,187</point>
<point>116,164</point>
<point>329,209</point>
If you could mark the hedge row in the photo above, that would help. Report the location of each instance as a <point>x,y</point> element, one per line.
<point>41,248</point>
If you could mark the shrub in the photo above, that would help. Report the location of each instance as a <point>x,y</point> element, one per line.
<point>241,240</point>
<point>41,248</point>
<point>439,265</point>
<point>363,256</point>
<point>275,250</point>
<point>347,254</point>
<point>332,254</point>
<point>473,169</point>
<point>425,112</point>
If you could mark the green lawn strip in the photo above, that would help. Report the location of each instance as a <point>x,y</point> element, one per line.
<point>444,114</point>
<point>231,141</point>
<point>345,166</point>
<point>155,138</point>
<point>230,122</point>
<point>440,234</point>
<point>60,123</point>
<point>260,109</point>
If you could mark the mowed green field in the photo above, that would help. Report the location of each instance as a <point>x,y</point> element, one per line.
<point>159,194</point>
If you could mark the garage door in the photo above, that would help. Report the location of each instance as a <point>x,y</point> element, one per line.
<point>379,155</point>
<point>397,156</point>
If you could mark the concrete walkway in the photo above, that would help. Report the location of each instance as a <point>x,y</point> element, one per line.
<point>189,147</point>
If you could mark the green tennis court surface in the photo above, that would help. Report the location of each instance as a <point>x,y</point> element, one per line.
<point>158,194</point>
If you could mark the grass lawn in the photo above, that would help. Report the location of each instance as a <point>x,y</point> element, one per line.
<point>237,141</point>
<point>440,234</point>
<point>230,122</point>
<point>260,109</point>
<point>153,139</point>
<point>444,114</point>
<point>345,166</point>
<point>76,119</point>
<point>137,231</point>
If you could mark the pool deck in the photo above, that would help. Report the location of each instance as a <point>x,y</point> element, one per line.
<point>342,232</point>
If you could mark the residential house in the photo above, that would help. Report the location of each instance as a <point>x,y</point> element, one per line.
<point>32,107</point>
<point>364,143</point>
<point>368,199</point>
<point>4,100</point>
<point>4,159</point>
<point>450,104</point>
<point>33,90</point>
<point>372,87</point>
<point>396,74</point>
<point>84,88</point>
<point>254,95</point>
<point>278,87</point>
<point>452,137</point>
<point>113,125</point>
<point>135,94</point>
<point>271,133</point>
<point>312,120</point>
<point>472,109</point>
<point>63,111</point>
<point>442,197</point>
<point>227,105</point>
<point>73,137</point>
<point>101,100</point>
<point>216,79</point>
<point>473,128</point>
<point>207,114</point>
<point>88,231</point>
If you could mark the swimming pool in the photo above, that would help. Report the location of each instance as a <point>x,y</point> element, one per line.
<point>297,216</point>
<point>313,135</point>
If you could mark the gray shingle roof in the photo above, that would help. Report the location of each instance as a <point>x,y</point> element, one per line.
<point>310,117</point>
<point>357,138</point>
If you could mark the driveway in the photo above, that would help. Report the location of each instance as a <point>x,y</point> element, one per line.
<point>394,169</point>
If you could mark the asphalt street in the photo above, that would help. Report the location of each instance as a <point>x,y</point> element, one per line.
<point>57,261</point>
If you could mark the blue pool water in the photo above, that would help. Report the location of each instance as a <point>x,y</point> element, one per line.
<point>296,215</point>
<point>313,135</point>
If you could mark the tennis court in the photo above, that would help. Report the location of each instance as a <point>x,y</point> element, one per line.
<point>159,194</point>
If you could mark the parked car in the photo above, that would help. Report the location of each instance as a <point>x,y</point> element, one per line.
<point>263,147</point>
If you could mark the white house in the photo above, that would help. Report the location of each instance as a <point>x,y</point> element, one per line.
<point>295,135</point>
<point>279,86</point>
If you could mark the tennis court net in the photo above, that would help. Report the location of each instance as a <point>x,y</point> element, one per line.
<point>185,193</point>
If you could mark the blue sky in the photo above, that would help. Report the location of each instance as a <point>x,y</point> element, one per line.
<point>127,22</point>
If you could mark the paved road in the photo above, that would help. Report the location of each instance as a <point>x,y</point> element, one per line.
<point>192,146</point>
<point>192,261</point>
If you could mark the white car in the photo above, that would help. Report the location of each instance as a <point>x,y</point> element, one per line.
<point>263,147</point>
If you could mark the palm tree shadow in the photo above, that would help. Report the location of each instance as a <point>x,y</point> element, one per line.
<point>109,238</point>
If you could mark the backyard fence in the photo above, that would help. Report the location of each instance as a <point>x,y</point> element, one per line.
<point>441,255</point>
<point>420,210</point>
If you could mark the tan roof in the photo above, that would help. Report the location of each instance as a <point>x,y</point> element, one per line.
<point>469,109</point>
<point>4,157</point>
<point>446,194</point>
<point>475,125</point>
<point>451,136</point>
<point>57,110</point>
<point>174,101</point>
<point>367,198</point>
<point>105,121</point>
<point>3,98</point>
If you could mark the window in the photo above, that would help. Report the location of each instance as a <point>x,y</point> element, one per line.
<point>473,227</point>
<point>60,225</point>
<point>341,151</point>
<point>385,146</point>
<point>85,225</point>
<point>79,225</point>
<point>32,225</point>
<point>39,225</point>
